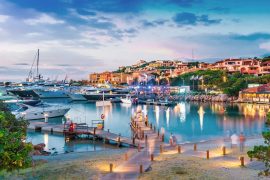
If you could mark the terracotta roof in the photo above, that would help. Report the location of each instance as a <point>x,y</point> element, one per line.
<point>259,89</point>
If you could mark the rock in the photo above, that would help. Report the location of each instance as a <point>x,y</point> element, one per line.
<point>39,147</point>
<point>37,153</point>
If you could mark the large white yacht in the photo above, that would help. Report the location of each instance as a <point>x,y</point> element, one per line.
<point>41,111</point>
<point>51,93</point>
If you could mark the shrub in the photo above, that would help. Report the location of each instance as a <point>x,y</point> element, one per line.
<point>14,152</point>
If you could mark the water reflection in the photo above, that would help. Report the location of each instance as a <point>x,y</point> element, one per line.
<point>168,116</point>
<point>201,114</point>
<point>188,121</point>
<point>157,115</point>
<point>46,141</point>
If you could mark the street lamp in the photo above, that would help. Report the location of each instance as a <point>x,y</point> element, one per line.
<point>46,117</point>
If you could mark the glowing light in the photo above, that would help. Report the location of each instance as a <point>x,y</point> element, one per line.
<point>182,113</point>
<point>168,116</point>
<point>157,114</point>
<point>46,140</point>
<point>201,114</point>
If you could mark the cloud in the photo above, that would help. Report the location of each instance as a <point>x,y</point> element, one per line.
<point>21,64</point>
<point>148,24</point>
<point>265,46</point>
<point>3,18</point>
<point>43,19</point>
<point>221,10</point>
<point>184,3</point>
<point>186,18</point>
<point>64,65</point>
<point>252,37</point>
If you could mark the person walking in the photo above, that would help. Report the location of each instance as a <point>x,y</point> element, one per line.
<point>242,140</point>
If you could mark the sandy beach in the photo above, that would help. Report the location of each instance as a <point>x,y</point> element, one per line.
<point>83,165</point>
<point>195,165</point>
<point>189,164</point>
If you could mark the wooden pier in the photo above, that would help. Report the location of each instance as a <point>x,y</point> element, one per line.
<point>82,130</point>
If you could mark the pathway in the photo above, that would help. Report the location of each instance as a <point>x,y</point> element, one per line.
<point>131,168</point>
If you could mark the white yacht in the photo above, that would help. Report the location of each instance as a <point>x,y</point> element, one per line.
<point>51,93</point>
<point>127,100</point>
<point>78,94</point>
<point>41,111</point>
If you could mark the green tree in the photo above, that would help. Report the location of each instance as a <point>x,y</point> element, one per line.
<point>14,151</point>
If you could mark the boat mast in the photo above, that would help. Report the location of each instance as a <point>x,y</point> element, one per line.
<point>38,64</point>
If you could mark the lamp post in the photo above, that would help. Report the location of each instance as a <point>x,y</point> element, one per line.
<point>46,117</point>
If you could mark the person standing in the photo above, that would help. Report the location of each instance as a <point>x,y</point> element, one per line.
<point>242,140</point>
<point>171,139</point>
<point>146,120</point>
<point>234,140</point>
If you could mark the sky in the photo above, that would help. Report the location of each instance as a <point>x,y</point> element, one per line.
<point>78,37</point>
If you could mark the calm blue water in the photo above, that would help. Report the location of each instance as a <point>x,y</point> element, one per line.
<point>187,121</point>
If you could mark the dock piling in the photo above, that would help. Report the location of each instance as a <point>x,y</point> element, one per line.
<point>242,161</point>
<point>195,147</point>
<point>161,148</point>
<point>179,149</point>
<point>152,157</point>
<point>224,150</point>
<point>111,168</point>
<point>162,138</point>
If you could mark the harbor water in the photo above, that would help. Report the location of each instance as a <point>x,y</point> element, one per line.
<point>188,121</point>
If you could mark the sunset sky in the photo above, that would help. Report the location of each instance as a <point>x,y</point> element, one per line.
<point>77,37</point>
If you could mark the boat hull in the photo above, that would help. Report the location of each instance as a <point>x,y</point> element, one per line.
<point>41,114</point>
<point>24,93</point>
<point>99,97</point>
<point>77,97</point>
<point>51,94</point>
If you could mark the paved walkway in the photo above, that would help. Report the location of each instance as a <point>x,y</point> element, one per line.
<point>131,168</point>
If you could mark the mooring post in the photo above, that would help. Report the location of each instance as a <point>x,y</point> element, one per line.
<point>161,148</point>
<point>152,157</point>
<point>224,150</point>
<point>195,147</point>
<point>111,168</point>
<point>179,149</point>
<point>207,154</point>
<point>242,161</point>
<point>141,168</point>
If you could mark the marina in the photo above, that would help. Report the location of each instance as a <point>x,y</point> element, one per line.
<point>188,121</point>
